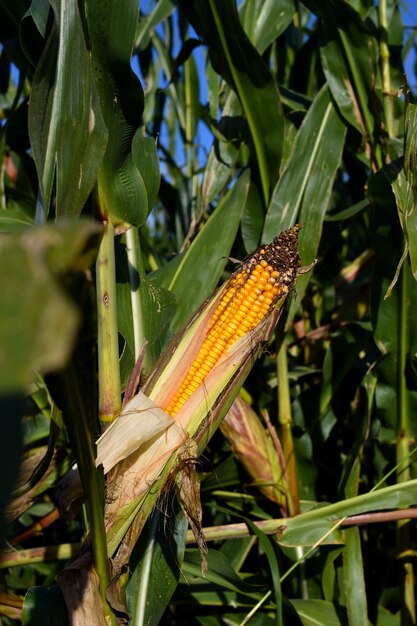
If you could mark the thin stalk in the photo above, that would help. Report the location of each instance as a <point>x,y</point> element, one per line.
<point>43,554</point>
<point>385,67</point>
<point>408,612</point>
<point>108,345</point>
<point>188,116</point>
<point>93,487</point>
<point>285,422</point>
<point>136,274</point>
<point>275,526</point>
<point>192,164</point>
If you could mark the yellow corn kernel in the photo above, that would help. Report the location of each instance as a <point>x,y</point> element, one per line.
<point>251,293</point>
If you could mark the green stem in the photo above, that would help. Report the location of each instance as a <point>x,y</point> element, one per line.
<point>285,422</point>
<point>43,554</point>
<point>108,345</point>
<point>385,66</point>
<point>92,482</point>
<point>136,275</point>
<point>188,116</point>
<point>408,612</point>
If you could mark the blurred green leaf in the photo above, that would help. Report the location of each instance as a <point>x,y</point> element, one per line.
<point>14,220</point>
<point>38,321</point>
<point>162,10</point>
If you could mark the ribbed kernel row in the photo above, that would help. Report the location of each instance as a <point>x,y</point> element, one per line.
<point>246,301</point>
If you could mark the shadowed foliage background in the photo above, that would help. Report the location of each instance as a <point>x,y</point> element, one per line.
<point>144,151</point>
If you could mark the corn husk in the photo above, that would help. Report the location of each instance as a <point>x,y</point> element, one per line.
<point>252,445</point>
<point>136,481</point>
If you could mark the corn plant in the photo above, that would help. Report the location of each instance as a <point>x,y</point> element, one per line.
<point>208,350</point>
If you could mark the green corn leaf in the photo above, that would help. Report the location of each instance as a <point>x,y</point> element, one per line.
<point>66,126</point>
<point>349,61</point>
<point>320,525</point>
<point>156,566</point>
<point>302,194</point>
<point>122,194</point>
<point>235,58</point>
<point>265,20</point>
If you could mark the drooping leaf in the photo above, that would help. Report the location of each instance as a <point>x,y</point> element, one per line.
<point>122,194</point>
<point>66,126</point>
<point>320,525</point>
<point>349,61</point>
<point>237,60</point>
<point>301,194</point>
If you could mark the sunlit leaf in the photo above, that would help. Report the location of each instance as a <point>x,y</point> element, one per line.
<point>234,57</point>
<point>67,130</point>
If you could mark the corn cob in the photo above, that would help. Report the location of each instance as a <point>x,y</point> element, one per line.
<point>248,297</point>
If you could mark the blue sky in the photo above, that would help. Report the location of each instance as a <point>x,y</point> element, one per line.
<point>409,13</point>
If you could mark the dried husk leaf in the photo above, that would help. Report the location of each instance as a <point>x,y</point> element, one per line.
<point>134,477</point>
<point>252,446</point>
<point>79,585</point>
<point>139,422</point>
<point>187,487</point>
